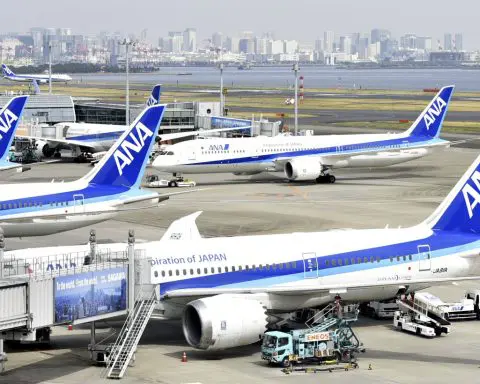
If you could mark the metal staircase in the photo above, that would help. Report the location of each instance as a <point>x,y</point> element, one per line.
<point>127,341</point>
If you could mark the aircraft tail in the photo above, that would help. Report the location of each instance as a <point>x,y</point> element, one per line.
<point>9,118</point>
<point>460,211</point>
<point>7,71</point>
<point>429,123</point>
<point>154,98</point>
<point>125,162</point>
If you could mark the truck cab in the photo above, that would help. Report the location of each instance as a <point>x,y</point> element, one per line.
<point>277,347</point>
<point>474,295</point>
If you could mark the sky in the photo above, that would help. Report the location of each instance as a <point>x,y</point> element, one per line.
<point>303,20</point>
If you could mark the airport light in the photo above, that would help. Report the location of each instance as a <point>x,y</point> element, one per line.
<point>221,89</point>
<point>50,67</point>
<point>127,43</point>
<point>295,69</point>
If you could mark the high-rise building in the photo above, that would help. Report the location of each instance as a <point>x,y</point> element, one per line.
<point>217,40</point>
<point>408,41</point>
<point>261,46</point>
<point>458,46</point>
<point>175,42</point>
<point>37,37</point>
<point>447,42</point>
<point>318,45</point>
<point>425,43</point>
<point>246,46</point>
<point>362,48</point>
<point>379,35</point>
<point>346,45</point>
<point>290,46</point>
<point>328,40</point>
<point>232,44</point>
<point>190,40</point>
<point>274,47</point>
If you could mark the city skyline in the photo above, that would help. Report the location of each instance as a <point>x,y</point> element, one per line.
<point>428,18</point>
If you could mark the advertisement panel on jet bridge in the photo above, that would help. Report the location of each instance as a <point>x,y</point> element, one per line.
<point>90,294</point>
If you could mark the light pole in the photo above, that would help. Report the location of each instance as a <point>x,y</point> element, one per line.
<point>221,89</point>
<point>295,69</point>
<point>50,67</point>
<point>127,43</point>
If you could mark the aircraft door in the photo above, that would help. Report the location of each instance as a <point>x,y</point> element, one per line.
<point>192,155</point>
<point>424,257</point>
<point>310,265</point>
<point>78,203</point>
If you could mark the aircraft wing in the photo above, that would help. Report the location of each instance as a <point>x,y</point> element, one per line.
<point>65,142</point>
<point>206,132</point>
<point>317,289</point>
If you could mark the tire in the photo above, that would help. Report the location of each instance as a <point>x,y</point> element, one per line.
<point>286,362</point>
<point>173,184</point>
<point>331,179</point>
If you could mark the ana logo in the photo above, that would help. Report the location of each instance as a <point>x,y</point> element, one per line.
<point>471,194</point>
<point>123,155</point>
<point>6,120</point>
<point>7,70</point>
<point>151,101</point>
<point>219,147</point>
<point>434,111</point>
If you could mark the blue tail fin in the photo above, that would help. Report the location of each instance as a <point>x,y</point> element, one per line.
<point>6,71</point>
<point>125,162</point>
<point>154,98</point>
<point>460,211</point>
<point>430,121</point>
<point>9,118</point>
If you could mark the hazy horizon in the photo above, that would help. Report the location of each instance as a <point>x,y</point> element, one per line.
<point>303,20</point>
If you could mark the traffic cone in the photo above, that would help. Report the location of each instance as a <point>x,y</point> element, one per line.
<point>184,357</point>
<point>70,327</point>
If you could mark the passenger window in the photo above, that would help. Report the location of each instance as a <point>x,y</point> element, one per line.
<point>170,273</point>
<point>205,270</point>
<point>378,259</point>
<point>372,259</point>
<point>404,258</point>
<point>359,260</point>
<point>410,257</point>
<point>239,267</point>
<point>274,266</point>
<point>199,271</point>
<point>334,263</point>
<point>398,258</point>
<point>219,269</point>
<point>294,264</point>
<point>340,262</point>
<point>347,261</point>
<point>267,267</point>
<point>184,272</point>
<point>212,269</point>
<point>327,262</point>
<point>253,266</point>
<point>226,269</point>
<point>191,272</point>
<point>365,259</point>
<point>280,266</point>
<point>163,273</point>
<point>391,259</point>
<point>247,267</point>
<point>177,272</point>
<point>260,267</point>
<point>233,268</point>
<point>353,260</point>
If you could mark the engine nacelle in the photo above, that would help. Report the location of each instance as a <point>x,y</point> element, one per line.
<point>43,149</point>
<point>223,321</point>
<point>303,169</point>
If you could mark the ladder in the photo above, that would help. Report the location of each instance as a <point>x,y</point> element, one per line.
<point>407,305</point>
<point>129,337</point>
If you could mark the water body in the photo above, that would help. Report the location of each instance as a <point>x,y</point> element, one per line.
<point>314,77</point>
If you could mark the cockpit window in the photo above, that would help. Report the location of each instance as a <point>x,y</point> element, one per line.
<point>170,153</point>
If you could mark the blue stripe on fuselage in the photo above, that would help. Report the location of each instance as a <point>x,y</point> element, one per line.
<point>374,146</point>
<point>441,244</point>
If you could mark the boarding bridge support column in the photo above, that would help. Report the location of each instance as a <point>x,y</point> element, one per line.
<point>2,266</point>
<point>131,271</point>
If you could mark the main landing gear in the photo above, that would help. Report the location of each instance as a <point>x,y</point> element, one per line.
<point>325,179</point>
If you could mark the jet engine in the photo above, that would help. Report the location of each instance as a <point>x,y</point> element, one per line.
<point>223,321</point>
<point>303,169</point>
<point>43,149</point>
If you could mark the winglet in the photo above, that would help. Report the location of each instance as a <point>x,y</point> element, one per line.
<point>154,98</point>
<point>184,229</point>
<point>10,116</point>
<point>460,211</point>
<point>125,162</point>
<point>429,123</point>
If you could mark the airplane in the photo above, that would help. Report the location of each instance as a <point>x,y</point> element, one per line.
<point>227,295</point>
<point>35,79</point>
<point>111,187</point>
<point>10,116</point>
<point>309,158</point>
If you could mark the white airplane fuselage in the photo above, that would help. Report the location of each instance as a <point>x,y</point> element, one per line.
<point>250,155</point>
<point>42,79</point>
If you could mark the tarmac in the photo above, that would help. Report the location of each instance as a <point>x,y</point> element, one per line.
<point>401,195</point>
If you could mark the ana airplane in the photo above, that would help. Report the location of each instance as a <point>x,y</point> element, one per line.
<point>10,116</point>
<point>85,137</point>
<point>310,157</point>
<point>111,187</point>
<point>36,79</point>
<point>228,290</point>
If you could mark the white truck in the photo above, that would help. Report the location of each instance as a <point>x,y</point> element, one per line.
<point>418,324</point>
<point>463,310</point>
<point>379,309</point>
<point>474,295</point>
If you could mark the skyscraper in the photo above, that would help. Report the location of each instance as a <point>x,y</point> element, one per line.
<point>346,44</point>
<point>458,46</point>
<point>190,40</point>
<point>217,40</point>
<point>328,40</point>
<point>447,42</point>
